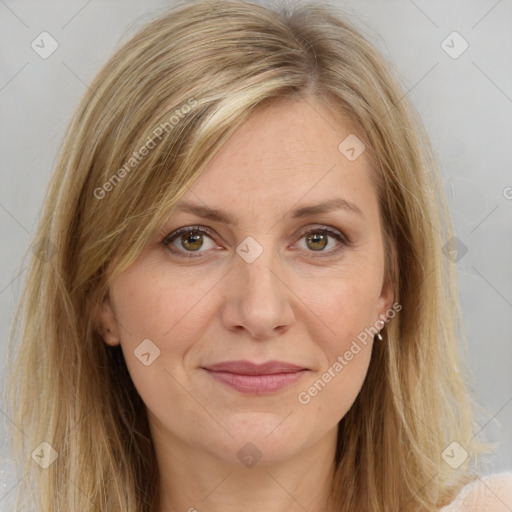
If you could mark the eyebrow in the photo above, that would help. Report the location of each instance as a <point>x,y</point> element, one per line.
<point>224,217</point>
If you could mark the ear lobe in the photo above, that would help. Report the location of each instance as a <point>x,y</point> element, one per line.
<point>107,324</point>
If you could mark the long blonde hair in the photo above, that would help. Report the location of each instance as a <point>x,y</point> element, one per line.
<point>179,88</point>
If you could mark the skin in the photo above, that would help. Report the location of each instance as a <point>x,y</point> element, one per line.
<point>293,303</point>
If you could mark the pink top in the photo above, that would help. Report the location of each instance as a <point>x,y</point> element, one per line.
<point>491,493</point>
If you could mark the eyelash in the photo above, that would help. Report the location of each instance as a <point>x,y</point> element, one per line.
<point>168,239</point>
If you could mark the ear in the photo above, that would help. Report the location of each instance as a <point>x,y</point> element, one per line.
<point>385,303</point>
<point>107,324</point>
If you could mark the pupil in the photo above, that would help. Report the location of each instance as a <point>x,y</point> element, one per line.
<point>317,238</point>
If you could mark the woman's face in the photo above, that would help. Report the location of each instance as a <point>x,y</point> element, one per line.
<point>292,277</point>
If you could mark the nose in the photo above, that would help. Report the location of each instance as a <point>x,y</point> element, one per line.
<point>258,299</point>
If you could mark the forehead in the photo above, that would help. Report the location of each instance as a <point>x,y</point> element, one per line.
<point>286,154</point>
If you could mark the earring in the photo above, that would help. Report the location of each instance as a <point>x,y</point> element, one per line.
<point>379,336</point>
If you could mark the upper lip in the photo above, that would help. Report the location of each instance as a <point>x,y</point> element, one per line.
<point>248,368</point>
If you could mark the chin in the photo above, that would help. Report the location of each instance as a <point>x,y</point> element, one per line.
<point>261,438</point>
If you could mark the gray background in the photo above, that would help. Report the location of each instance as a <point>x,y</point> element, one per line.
<point>465,102</point>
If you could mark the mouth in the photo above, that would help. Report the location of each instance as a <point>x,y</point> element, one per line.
<point>258,379</point>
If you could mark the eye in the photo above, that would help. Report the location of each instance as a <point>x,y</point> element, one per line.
<point>187,240</point>
<point>317,239</point>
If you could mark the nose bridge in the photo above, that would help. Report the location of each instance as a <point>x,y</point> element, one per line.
<point>258,300</point>
<point>257,265</point>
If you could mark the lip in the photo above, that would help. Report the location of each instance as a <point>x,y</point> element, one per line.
<point>259,379</point>
<point>248,368</point>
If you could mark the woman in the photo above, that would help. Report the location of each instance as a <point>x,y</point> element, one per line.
<point>238,297</point>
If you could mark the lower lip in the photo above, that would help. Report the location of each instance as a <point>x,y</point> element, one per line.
<point>257,384</point>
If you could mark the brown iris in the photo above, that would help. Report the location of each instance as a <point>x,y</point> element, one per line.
<point>192,240</point>
<point>318,241</point>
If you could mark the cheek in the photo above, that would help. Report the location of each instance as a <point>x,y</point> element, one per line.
<point>346,306</point>
<point>153,310</point>
<point>346,309</point>
<point>150,302</point>
<point>347,347</point>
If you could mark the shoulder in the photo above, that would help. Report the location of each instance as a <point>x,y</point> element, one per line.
<point>492,493</point>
